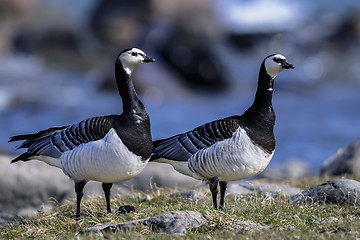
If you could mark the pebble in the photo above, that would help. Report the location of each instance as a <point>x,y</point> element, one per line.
<point>289,228</point>
<point>126,209</point>
<point>332,219</point>
<point>173,222</point>
<point>189,194</point>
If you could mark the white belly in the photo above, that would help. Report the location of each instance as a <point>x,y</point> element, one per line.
<point>180,166</point>
<point>55,162</point>
<point>106,160</point>
<point>233,159</point>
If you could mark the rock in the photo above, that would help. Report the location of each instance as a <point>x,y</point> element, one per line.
<point>345,161</point>
<point>239,189</point>
<point>332,219</point>
<point>296,168</point>
<point>247,226</point>
<point>314,219</point>
<point>159,175</point>
<point>337,191</point>
<point>186,44</point>
<point>289,228</point>
<point>181,230</point>
<point>189,194</point>
<point>26,186</point>
<point>262,188</point>
<point>109,16</point>
<point>126,209</point>
<point>169,222</point>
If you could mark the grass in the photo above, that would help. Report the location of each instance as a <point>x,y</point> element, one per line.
<point>285,220</point>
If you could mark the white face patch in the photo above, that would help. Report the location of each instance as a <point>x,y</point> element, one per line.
<point>131,59</point>
<point>272,67</point>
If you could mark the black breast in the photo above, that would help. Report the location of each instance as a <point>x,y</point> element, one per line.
<point>134,132</point>
<point>260,129</point>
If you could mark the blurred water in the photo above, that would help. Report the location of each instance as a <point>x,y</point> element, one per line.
<point>312,122</point>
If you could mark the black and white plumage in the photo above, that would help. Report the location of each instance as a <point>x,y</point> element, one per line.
<point>106,149</point>
<point>232,148</point>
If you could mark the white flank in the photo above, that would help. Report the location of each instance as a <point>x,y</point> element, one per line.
<point>233,159</point>
<point>106,160</point>
<point>180,166</point>
<point>55,162</point>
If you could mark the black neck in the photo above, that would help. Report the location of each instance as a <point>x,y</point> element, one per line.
<point>127,91</point>
<point>259,119</point>
<point>263,97</point>
<point>261,110</point>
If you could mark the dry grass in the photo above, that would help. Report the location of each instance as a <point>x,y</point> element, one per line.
<point>285,220</point>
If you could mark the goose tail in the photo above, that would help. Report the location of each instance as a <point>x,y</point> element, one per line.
<point>23,157</point>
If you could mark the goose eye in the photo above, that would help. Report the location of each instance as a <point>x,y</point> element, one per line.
<point>278,60</point>
<point>134,54</point>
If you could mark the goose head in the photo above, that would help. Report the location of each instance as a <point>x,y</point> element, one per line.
<point>133,57</point>
<point>275,63</point>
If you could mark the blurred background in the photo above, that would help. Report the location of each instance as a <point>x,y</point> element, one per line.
<point>57,66</point>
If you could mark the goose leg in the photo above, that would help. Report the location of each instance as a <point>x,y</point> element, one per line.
<point>79,186</point>
<point>107,190</point>
<point>213,184</point>
<point>223,186</point>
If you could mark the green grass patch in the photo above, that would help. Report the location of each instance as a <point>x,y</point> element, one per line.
<point>283,219</point>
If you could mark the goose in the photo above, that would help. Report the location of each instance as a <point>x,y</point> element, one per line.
<point>106,149</point>
<point>232,148</point>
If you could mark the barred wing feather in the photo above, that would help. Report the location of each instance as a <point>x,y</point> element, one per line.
<point>54,141</point>
<point>183,146</point>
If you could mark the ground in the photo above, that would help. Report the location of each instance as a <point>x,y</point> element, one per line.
<point>270,216</point>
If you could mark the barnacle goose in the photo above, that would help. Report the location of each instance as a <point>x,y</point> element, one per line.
<point>232,148</point>
<point>106,149</point>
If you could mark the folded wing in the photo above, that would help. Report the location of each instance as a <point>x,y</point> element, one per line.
<point>183,146</point>
<point>54,141</point>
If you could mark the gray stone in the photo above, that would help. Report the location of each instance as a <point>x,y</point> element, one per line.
<point>289,228</point>
<point>239,188</point>
<point>159,175</point>
<point>245,187</point>
<point>169,222</point>
<point>295,168</point>
<point>179,230</point>
<point>314,219</point>
<point>189,194</point>
<point>247,226</point>
<point>332,219</point>
<point>337,191</point>
<point>26,186</point>
<point>126,209</point>
<point>345,161</point>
